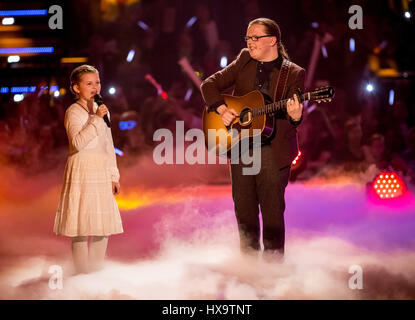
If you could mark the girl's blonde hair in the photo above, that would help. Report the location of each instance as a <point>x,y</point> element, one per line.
<point>77,73</point>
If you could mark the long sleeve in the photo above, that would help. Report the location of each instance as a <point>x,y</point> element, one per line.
<point>298,84</point>
<point>112,167</point>
<point>79,133</point>
<point>212,87</point>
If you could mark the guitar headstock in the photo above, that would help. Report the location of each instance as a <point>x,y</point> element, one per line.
<point>323,94</point>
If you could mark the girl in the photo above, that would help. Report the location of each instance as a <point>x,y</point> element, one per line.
<point>87,206</point>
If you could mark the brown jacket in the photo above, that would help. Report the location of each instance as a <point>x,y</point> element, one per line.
<point>241,74</point>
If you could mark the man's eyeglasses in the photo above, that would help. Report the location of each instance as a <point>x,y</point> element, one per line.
<point>255,38</point>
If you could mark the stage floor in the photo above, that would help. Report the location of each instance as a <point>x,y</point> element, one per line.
<point>180,241</point>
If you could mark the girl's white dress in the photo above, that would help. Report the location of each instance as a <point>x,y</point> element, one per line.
<point>87,205</point>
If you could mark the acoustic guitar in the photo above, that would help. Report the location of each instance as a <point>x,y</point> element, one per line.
<point>254,115</point>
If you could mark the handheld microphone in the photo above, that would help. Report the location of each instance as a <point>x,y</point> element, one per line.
<point>99,101</point>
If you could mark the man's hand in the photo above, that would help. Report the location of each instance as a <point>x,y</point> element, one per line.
<point>228,115</point>
<point>115,187</point>
<point>294,108</point>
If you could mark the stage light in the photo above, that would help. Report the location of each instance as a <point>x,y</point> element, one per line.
<point>407,15</point>
<point>23,89</point>
<point>119,152</point>
<point>296,158</point>
<point>127,125</point>
<point>391,96</point>
<point>4,90</point>
<point>112,90</point>
<point>130,55</point>
<point>7,21</point>
<point>12,59</point>
<point>14,13</point>
<point>27,50</point>
<point>324,51</point>
<point>388,191</point>
<point>56,94</point>
<point>74,60</point>
<point>351,45</point>
<point>188,94</point>
<point>223,62</point>
<point>191,21</point>
<point>143,25</point>
<point>18,97</point>
<point>369,87</point>
<point>53,88</point>
<point>314,25</point>
<point>164,95</point>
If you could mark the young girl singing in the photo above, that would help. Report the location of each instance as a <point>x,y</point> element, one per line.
<point>87,206</point>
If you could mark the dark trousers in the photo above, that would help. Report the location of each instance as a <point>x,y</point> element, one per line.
<point>267,190</point>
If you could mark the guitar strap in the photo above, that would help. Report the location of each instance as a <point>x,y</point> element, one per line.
<point>281,87</point>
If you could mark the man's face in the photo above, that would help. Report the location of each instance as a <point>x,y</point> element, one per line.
<point>261,49</point>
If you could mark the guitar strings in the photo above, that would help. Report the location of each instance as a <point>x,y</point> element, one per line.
<point>272,107</point>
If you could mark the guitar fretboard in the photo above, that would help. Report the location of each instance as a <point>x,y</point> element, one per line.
<point>276,106</point>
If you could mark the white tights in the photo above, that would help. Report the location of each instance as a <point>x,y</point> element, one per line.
<point>85,263</point>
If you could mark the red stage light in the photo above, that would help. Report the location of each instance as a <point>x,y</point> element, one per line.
<point>296,158</point>
<point>383,190</point>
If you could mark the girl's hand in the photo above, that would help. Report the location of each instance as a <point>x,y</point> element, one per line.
<point>102,111</point>
<point>115,187</point>
<point>90,105</point>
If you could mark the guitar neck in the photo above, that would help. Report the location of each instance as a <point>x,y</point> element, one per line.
<point>280,105</point>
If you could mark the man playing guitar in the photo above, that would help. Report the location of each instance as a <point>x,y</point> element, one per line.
<point>259,67</point>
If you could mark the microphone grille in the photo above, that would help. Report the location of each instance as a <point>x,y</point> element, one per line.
<point>98,99</point>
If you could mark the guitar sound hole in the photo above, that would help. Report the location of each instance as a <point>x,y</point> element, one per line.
<point>245,117</point>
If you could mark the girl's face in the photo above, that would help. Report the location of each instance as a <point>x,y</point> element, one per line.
<point>88,86</point>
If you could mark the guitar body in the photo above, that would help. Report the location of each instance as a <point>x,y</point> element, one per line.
<point>228,137</point>
<point>255,119</point>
